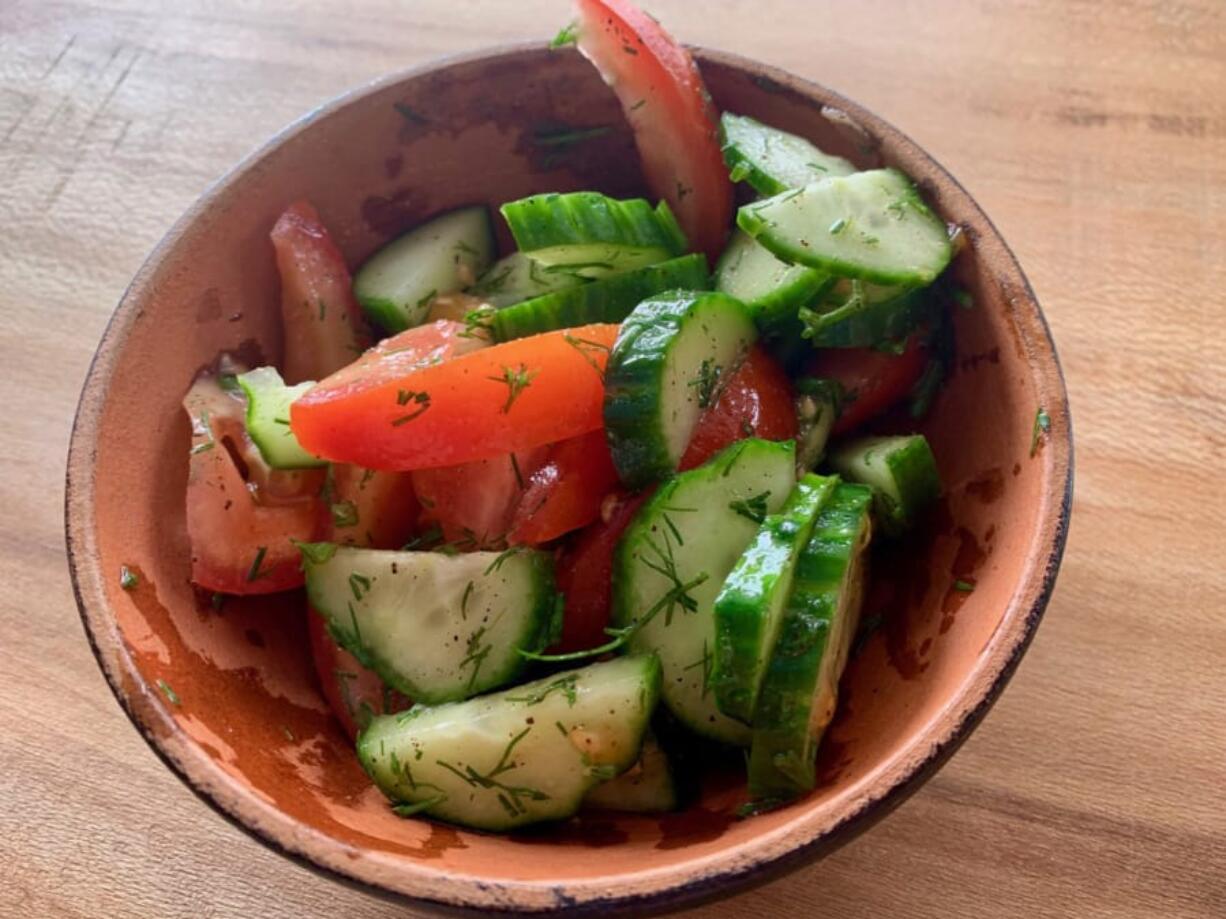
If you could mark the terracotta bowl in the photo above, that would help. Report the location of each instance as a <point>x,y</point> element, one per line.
<point>250,732</point>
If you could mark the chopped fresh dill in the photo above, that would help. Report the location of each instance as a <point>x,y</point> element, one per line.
<point>753,509</point>
<point>169,693</point>
<point>254,573</point>
<point>516,382</point>
<point>128,579</point>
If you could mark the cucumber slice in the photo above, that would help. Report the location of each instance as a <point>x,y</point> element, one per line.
<point>817,409</point>
<point>436,627</point>
<point>749,607</point>
<point>772,290</point>
<point>861,315</point>
<point>610,299</point>
<point>800,689</point>
<point>268,401</point>
<point>871,225</point>
<point>517,277</point>
<point>666,366</point>
<point>902,472</point>
<point>524,755</point>
<point>590,235</point>
<point>773,160</point>
<point>647,787</point>
<point>672,559</point>
<point>444,255</point>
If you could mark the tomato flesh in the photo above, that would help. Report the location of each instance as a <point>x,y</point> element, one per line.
<point>676,126</point>
<point>323,324</point>
<point>566,492</point>
<point>415,402</point>
<point>757,401</point>
<point>872,380</point>
<point>353,692</point>
<point>585,575</point>
<point>239,526</point>
<point>474,503</point>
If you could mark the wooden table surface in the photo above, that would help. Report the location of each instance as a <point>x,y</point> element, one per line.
<point>1094,134</point>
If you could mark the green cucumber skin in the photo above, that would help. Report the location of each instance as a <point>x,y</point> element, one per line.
<point>517,278</point>
<point>800,687</point>
<point>383,268</point>
<point>567,724</point>
<point>609,299</point>
<point>716,535</point>
<point>553,227</point>
<point>540,628</point>
<point>745,143</point>
<point>900,469</point>
<point>635,416</point>
<point>269,398</point>
<point>750,603</point>
<point>761,219</point>
<point>874,323</point>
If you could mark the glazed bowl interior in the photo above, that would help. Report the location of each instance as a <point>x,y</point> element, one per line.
<point>251,732</point>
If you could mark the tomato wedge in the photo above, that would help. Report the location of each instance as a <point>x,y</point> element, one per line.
<point>566,492</point>
<point>474,503</point>
<point>676,126</point>
<point>585,576</point>
<point>757,401</point>
<point>241,515</point>
<point>372,509</point>
<point>324,326</point>
<point>872,380</point>
<point>407,404</point>
<point>353,692</point>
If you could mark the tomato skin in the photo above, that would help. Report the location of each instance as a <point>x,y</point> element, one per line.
<point>400,408</point>
<point>230,519</point>
<point>324,326</point>
<point>474,503</point>
<point>877,379</point>
<point>584,574</point>
<point>757,401</point>
<point>566,492</point>
<point>346,684</point>
<point>676,126</point>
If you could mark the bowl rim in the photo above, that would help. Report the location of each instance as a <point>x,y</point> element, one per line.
<point>463,895</point>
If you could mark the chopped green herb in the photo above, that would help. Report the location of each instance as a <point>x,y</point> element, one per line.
<point>707,663</point>
<point>753,509</point>
<point>254,573</point>
<point>838,226</point>
<point>566,685</point>
<point>567,137</point>
<point>317,553</point>
<point>707,382</point>
<point>567,35</point>
<point>962,297</point>
<point>323,309</point>
<point>200,448</point>
<point>468,592</point>
<point>496,564</point>
<point>169,693</point>
<point>638,105</point>
<point>516,382</point>
<point>228,383</point>
<point>420,399</point>
<point>1042,425</point>
<point>409,114</point>
<point>359,584</point>
<point>217,601</point>
<point>926,388</point>
<point>427,538</point>
<point>128,578</point>
<point>411,810</point>
<point>289,735</point>
<point>963,586</point>
<point>344,514</point>
<point>422,301</point>
<point>588,349</point>
<point>510,796</point>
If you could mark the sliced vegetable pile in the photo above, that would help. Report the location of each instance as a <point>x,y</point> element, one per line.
<point>570,512</point>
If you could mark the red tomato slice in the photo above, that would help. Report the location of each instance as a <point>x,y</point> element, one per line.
<point>872,380</point>
<point>757,401</point>
<point>566,492</point>
<point>407,404</point>
<point>676,126</point>
<point>474,503</point>
<point>376,510</point>
<point>324,327</point>
<point>585,576</point>
<point>349,687</point>
<point>241,518</point>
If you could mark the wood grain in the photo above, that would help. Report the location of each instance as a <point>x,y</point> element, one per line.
<point>1094,134</point>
